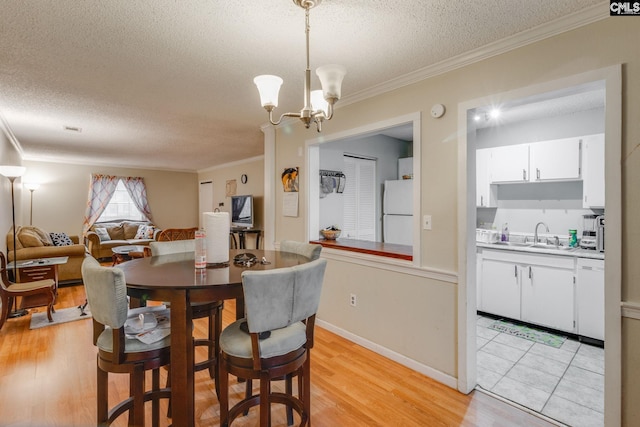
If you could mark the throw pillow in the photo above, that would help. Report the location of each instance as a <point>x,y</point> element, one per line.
<point>116,233</point>
<point>130,229</point>
<point>29,238</point>
<point>60,239</point>
<point>44,236</point>
<point>102,234</point>
<point>145,232</point>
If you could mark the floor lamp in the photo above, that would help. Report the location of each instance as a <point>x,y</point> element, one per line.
<point>13,172</point>
<point>31,186</point>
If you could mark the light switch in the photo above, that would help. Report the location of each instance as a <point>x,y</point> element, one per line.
<point>426,222</point>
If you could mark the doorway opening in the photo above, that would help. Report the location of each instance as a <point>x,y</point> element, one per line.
<point>519,208</point>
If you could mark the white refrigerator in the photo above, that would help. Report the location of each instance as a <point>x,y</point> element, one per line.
<point>397,206</point>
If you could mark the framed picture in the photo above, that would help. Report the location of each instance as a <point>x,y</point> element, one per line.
<point>290,180</point>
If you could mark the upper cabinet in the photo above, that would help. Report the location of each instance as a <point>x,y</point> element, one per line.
<point>569,159</point>
<point>593,171</point>
<point>555,160</point>
<point>483,183</point>
<point>509,163</point>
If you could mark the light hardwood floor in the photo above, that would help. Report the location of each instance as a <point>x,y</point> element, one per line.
<point>47,378</point>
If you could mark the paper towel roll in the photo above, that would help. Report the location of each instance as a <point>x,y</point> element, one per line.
<point>217,225</point>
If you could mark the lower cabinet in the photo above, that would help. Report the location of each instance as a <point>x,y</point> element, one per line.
<point>590,298</point>
<point>548,296</point>
<point>500,287</point>
<point>534,288</point>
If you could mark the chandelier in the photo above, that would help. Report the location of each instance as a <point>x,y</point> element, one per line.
<point>318,104</point>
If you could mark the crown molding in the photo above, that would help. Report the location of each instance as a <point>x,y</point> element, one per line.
<point>231,164</point>
<point>6,130</point>
<point>561,25</point>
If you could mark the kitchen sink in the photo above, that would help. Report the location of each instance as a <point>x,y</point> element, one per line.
<point>554,247</point>
<point>515,244</point>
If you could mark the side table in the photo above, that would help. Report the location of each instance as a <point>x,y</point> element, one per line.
<point>242,232</point>
<point>127,252</point>
<point>37,269</point>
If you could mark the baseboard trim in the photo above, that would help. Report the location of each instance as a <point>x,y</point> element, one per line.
<point>439,376</point>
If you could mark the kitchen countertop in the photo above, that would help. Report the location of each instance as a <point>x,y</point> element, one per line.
<point>550,250</point>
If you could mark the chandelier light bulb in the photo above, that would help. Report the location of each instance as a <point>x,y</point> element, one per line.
<point>269,88</point>
<point>317,106</point>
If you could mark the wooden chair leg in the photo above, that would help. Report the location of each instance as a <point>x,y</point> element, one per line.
<point>211,347</point>
<point>248,391</point>
<point>102,399</point>
<point>137,392</point>
<point>155,402</point>
<point>265,407</point>
<point>214,371</point>
<point>6,307</point>
<point>306,388</point>
<point>288,382</point>
<point>223,396</point>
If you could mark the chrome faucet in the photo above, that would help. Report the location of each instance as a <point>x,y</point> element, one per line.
<point>535,234</point>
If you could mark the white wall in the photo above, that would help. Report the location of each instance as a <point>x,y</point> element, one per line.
<point>587,122</point>
<point>8,156</point>
<point>384,149</point>
<point>59,204</point>
<point>254,169</point>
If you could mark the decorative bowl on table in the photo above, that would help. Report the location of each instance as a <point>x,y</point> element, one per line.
<point>330,234</point>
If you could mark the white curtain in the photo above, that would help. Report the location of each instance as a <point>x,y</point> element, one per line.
<point>101,189</point>
<point>138,192</point>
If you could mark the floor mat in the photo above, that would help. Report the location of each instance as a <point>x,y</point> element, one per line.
<point>62,315</point>
<point>528,333</point>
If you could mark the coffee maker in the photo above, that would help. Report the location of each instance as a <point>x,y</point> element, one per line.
<point>593,232</point>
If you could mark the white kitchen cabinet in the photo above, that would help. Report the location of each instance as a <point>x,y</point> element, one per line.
<point>500,286</point>
<point>509,163</point>
<point>548,290</point>
<point>593,171</point>
<point>590,297</point>
<point>484,197</point>
<point>535,288</point>
<point>558,159</point>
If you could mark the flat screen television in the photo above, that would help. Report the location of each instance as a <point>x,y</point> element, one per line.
<point>242,211</point>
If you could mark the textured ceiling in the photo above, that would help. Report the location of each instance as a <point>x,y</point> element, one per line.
<point>168,84</point>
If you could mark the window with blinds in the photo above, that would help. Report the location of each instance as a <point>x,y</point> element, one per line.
<point>359,217</point>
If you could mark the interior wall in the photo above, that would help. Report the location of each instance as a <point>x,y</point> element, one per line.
<point>254,169</point>
<point>60,203</point>
<point>385,150</point>
<point>582,123</point>
<point>8,156</point>
<point>610,41</point>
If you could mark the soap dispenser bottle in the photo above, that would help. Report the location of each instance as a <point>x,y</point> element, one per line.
<point>505,233</point>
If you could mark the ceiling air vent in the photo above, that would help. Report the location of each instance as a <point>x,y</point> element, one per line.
<point>72,129</point>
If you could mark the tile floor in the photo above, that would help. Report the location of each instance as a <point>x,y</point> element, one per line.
<point>566,383</point>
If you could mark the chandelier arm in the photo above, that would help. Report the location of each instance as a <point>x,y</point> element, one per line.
<point>296,115</point>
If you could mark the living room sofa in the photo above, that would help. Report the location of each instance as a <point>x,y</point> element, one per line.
<point>34,243</point>
<point>103,236</point>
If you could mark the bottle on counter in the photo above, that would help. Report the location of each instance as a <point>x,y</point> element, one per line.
<point>505,233</point>
<point>201,249</point>
<point>573,238</point>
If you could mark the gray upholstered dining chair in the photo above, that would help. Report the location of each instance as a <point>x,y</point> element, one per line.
<point>212,310</point>
<point>106,292</point>
<point>309,250</point>
<point>280,306</point>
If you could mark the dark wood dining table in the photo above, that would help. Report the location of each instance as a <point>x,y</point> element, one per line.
<point>174,278</point>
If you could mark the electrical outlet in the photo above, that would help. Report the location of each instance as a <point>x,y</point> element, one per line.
<point>352,300</point>
<point>426,222</point>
